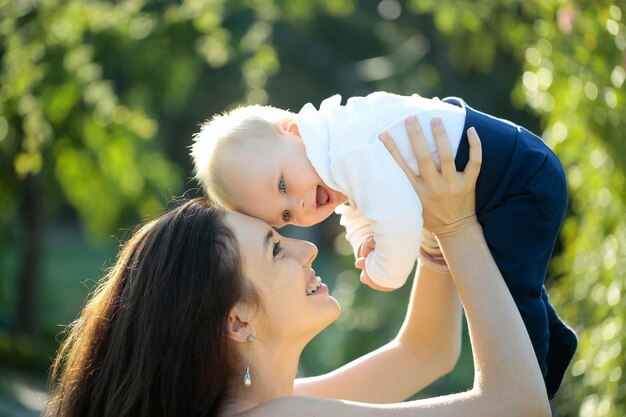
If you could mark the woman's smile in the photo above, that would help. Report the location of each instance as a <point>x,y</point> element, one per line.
<point>313,284</point>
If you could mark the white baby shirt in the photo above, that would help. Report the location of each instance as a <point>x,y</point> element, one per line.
<point>342,144</point>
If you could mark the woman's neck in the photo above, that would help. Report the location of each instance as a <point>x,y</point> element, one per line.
<point>273,370</point>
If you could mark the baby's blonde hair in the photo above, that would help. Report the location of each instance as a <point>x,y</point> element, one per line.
<point>213,146</point>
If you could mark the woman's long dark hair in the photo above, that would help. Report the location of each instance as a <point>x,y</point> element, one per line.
<point>152,339</point>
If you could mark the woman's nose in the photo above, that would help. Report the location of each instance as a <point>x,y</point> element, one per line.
<point>307,251</point>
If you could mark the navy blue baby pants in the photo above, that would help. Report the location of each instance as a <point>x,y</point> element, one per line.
<point>521,198</point>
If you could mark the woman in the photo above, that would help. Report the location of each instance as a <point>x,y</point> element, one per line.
<point>206,313</point>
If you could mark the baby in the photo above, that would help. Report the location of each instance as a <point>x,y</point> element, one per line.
<point>288,168</point>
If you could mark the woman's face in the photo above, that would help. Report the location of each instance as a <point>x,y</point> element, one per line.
<point>281,271</point>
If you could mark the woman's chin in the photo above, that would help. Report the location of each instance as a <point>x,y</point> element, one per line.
<point>334,311</point>
<point>328,313</point>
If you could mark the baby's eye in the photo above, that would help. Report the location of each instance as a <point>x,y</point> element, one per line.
<point>286,216</point>
<point>282,187</point>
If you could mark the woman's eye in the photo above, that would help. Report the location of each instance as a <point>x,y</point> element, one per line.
<point>286,215</point>
<point>282,187</point>
<point>277,248</point>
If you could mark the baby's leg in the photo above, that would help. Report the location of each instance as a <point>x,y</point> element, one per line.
<point>521,232</point>
<point>510,231</point>
<point>561,348</point>
<point>521,198</point>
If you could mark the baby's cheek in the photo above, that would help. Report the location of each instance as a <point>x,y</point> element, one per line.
<point>306,220</point>
<point>322,214</point>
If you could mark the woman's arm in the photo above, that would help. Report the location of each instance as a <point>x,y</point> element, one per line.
<point>506,367</point>
<point>426,348</point>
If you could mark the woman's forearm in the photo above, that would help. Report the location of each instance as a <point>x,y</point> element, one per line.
<point>503,355</point>
<point>433,318</point>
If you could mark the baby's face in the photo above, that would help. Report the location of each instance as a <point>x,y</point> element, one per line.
<point>277,183</point>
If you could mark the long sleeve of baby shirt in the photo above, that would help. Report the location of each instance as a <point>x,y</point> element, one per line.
<point>342,144</point>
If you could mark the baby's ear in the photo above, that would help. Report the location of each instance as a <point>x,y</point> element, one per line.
<point>289,126</point>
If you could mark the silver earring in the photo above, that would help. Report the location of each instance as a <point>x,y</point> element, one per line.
<point>247,381</point>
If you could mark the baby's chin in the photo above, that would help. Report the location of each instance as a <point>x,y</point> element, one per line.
<point>339,199</point>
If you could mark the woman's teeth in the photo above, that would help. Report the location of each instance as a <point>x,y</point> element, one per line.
<point>313,286</point>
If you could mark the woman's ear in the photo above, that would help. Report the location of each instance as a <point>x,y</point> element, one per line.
<point>238,326</point>
<point>289,126</point>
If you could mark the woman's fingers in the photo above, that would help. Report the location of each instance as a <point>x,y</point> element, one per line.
<point>472,169</point>
<point>420,148</point>
<point>395,153</point>
<point>448,169</point>
<point>446,196</point>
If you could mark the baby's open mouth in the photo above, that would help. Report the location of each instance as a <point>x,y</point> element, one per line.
<point>322,196</point>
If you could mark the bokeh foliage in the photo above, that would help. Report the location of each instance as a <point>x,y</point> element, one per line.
<point>66,121</point>
<point>99,99</point>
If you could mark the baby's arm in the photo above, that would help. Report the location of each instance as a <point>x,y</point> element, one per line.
<point>361,238</point>
<point>358,228</point>
<point>358,231</point>
<point>385,202</point>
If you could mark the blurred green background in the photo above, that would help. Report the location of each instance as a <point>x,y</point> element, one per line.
<point>99,101</point>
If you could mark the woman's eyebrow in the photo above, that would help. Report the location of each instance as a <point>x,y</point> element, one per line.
<point>267,239</point>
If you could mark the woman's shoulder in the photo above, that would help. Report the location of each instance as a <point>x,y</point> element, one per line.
<point>292,406</point>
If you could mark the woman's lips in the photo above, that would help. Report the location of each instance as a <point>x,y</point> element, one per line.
<point>315,285</point>
<point>323,289</point>
<point>322,196</point>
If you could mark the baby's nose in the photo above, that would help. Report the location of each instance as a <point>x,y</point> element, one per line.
<point>300,206</point>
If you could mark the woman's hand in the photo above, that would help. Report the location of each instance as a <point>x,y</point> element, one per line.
<point>447,196</point>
